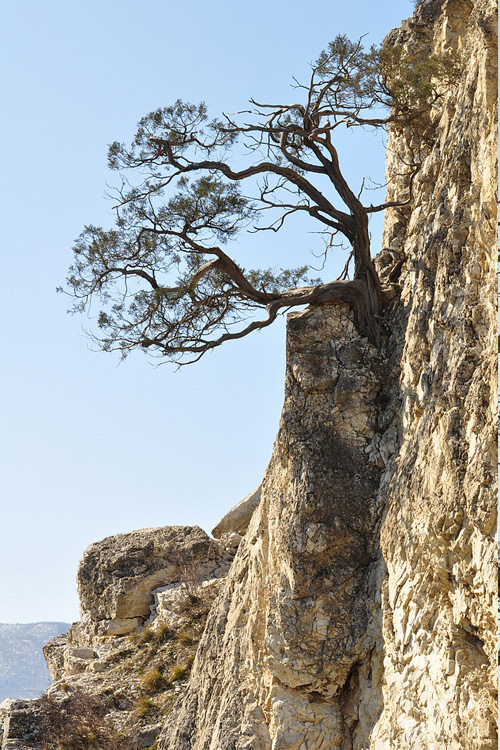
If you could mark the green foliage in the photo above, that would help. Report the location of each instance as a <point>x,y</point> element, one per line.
<point>414,85</point>
<point>163,634</point>
<point>186,637</point>
<point>386,77</point>
<point>143,637</point>
<point>153,637</point>
<point>207,204</point>
<point>273,281</point>
<point>145,707</point>
<point>178,672</point>
<point>162,278</point>
<point>357,76</point>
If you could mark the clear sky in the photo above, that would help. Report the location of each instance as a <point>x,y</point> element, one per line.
<point>91,447</point>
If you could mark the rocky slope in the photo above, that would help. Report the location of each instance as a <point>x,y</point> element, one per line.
<point>359,610</point>
<point>144,599</point>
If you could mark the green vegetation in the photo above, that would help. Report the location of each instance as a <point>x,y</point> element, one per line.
<point>153,681</point>
<point>164,634</point>
<point>145,707</point>
<point>179,671</point>
<point>144,636</point>
<point>157,637</point>
<point>186,637</point>
<point>162,276</point>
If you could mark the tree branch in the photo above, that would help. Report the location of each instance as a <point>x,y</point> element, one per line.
<point>345,220</point>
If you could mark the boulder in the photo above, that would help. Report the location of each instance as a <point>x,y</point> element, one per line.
<point>117,575</point>
<point>237,519</point>
<point>76,660</point>
<point>147,736</point>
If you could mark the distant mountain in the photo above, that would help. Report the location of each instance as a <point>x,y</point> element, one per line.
<point>23,672</point>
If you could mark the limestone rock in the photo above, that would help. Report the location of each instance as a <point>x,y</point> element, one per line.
<point>231,540</point>
<point>118,582</point>
<point>291,631</point>
<point>359,612</point>
<point>53,652</point>
<point>21,722</point>
<point>438,596</point>
<point>100,668</point>
<point>117,575</point>
<point>148,735</point>
<point>76,660</point>
<point>237,519</point>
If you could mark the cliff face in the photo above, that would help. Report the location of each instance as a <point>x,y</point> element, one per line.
<point>290,638</point>
<point>437,536</point>
<point>359,611</point>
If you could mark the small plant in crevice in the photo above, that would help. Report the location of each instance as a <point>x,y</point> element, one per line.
<point>143,637</point>
<point>145,707</point>
<point>163,634</point>
<point>153,637</point>
<point>153,681</point>
<point>186,637</point>
<point>178,672</point>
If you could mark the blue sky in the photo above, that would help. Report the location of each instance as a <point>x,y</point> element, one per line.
<point>91,447</point>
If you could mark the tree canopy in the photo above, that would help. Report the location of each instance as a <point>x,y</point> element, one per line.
<point>163,276</point>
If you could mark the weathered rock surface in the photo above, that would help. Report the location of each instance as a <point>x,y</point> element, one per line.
<point>237,519</point>
<point>283,649</point>
<point>359,612</point>
<point>117,575</point>
<point>125,682</point>
<point>53,652</point>
<point>439,493</point>
<point>21,724</point>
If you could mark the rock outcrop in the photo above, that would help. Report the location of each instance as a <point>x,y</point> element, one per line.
<point>20,724</point>
<point>117,575</point>
<point>236,520</point>
<point>359,612</point>
<point>144,598</point>
<point>291,633</point>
